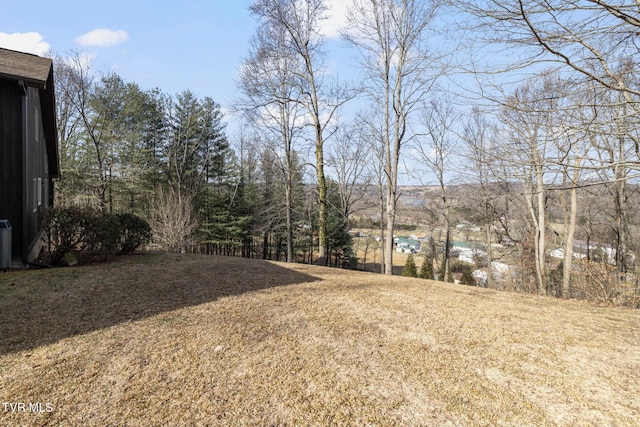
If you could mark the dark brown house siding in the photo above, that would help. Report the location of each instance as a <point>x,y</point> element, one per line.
<point>35,186</point>
<point>11,181</point>
<point>28,145</point>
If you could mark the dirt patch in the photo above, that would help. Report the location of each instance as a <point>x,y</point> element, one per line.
<point>199,340</point>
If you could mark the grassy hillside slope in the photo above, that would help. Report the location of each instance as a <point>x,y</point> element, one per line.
<point>165,339</point>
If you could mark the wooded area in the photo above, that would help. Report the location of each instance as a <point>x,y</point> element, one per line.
<point>554,156</point>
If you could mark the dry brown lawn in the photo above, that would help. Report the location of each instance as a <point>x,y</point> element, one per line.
<point>171,340</point>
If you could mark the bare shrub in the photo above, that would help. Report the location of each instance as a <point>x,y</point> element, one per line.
<point>173,220</point>
<point>630,296</point>
<point>602,282</point>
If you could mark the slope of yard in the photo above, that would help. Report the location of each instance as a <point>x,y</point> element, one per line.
<point>165,339</point>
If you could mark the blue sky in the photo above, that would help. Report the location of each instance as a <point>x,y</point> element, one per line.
<point>173,45</point>
<point>170,44</point>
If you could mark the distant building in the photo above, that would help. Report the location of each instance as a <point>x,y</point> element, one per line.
<point>501,273</point>
<point>28,146</point>
<point>604,253</point>
<point>468,252</point>
<point>406,244</point>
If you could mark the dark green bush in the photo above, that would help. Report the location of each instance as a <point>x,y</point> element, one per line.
<point>64,231</point>
<point>102,234</point>
<point>91,233</point>
<point>134,232</point>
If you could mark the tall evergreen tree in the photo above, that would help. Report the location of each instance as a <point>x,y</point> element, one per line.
<point>196,145</point>
<point>426,269</point>
<point>410,269</point>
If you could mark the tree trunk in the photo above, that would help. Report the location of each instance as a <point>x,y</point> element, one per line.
<point>289,218</point>
<point>382,226</point>
<point>541,228</point>
<point>388,242</point>
<point>446,263</point>
<point>570,232</point>
<point>568,252</point>
<point>488,235</point>
<point>322,200</point>
<point>621,222</point>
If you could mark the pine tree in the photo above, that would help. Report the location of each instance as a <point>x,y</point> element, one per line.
<point>426,269</point>
<point>467,278</point>
<point>410,269</point>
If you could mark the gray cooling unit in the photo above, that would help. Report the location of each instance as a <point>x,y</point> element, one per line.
<point>5,244</point>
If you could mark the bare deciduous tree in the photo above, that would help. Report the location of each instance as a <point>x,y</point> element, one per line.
<point>477,136</point>
<point>349,159</point>
<point>528,117</point>
<point>271,105</point>
<point>615,139</point>
<point>391,40</point>
<point>300,20</point>
<point>436,150</point>
<point>596,38</point>
<point>69,123</point>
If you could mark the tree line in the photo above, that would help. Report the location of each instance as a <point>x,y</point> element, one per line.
<point>168,159</point>
<point>287,186</point>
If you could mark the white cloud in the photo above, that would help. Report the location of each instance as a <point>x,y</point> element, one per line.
<point>336,18</point>
<point>24,42</point>
<point>102,37</point>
